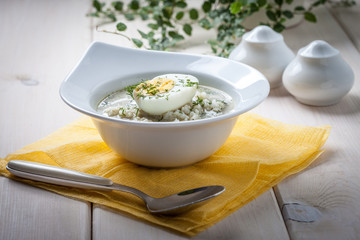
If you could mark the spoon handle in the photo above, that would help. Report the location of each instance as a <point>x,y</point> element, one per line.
<point>56,175</point>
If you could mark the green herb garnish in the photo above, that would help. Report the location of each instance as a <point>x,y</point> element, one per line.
<point>198,101</point>
<point>130,89</point>
<point>190,84</point>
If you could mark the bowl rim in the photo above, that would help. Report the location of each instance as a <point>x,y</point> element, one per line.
<point>229,115</point>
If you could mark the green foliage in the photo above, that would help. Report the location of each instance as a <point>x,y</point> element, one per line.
<point>171,21</point>
<point>187,29</point>
<point>121,26</point>
<point>193,14</point>
<point>309,16</point>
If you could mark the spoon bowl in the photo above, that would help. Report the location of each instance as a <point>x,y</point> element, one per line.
<point>181,202</point>
<point>172,204</point>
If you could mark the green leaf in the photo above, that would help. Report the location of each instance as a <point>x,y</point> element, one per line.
<point>278,27</point>
<point>179,15</point>
<point>181,4</point>
<point>134,5</point>
<point>97,5</point>
<point>278,13</point>
<point>118,5</point>
<point>299,8</point>
<point>279,2</point>
<point>129,16</point>
<point>213,14</point>
<point>310,17</point>
<point>150,35</point>
<point>167,12</point>
<point>213,49</point>
<point>212,42</point>
<point>235,7</point>
<point>194,14</point>
<point>144,16</point>
<point>205,23</point>
<point>187,29</point>
<point>289,1</point>
<point>153,3</point>
<point>254,7</point>
<point>143,35</point>
<point>121,26</point>
<point>95,14</point>
<point>158,19</point>
<point>206,7</point>
<point>317,3</point>
<point>168,23</point>
<point>153,26</point>
<point>238,32</point>
<point>111,16</point>
<point>176,36</point>
<point>271,15</point>
<point>137,42</point>
<point>214,45</point>
<point>288,14</point>
<point>262,3</point>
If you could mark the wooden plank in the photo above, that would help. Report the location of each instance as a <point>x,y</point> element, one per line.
<point>346,17</point>
<point>31,213</point>
<point>322,202</point>
<point>257,220</point>
<point>40,42</point>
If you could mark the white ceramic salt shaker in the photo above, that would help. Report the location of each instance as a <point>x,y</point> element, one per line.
<point>265,50</point>
<point>318,75</point>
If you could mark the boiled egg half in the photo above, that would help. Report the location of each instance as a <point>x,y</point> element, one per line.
<point>165,93</point>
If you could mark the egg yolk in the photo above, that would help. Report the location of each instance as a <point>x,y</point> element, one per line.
<point>154,87</point>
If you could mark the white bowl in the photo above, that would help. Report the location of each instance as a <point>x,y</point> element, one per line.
<point>106,68</point>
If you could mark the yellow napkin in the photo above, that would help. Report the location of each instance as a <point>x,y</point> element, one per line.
<point>259,154</point>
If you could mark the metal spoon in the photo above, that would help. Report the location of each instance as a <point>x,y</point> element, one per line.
<point>60,176</point>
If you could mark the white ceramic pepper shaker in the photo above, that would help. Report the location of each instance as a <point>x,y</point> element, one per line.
<point>265,50</point>
<point>318,75</point>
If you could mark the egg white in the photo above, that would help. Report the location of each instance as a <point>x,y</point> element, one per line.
<point>159,101</point>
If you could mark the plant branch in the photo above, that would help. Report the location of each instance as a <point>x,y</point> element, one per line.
<point>170,21</point>
<point>112,32</point>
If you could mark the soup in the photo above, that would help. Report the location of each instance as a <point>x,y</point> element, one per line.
<point>166,98</point>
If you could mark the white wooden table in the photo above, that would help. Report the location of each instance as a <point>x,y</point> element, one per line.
<point>41,41</point>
